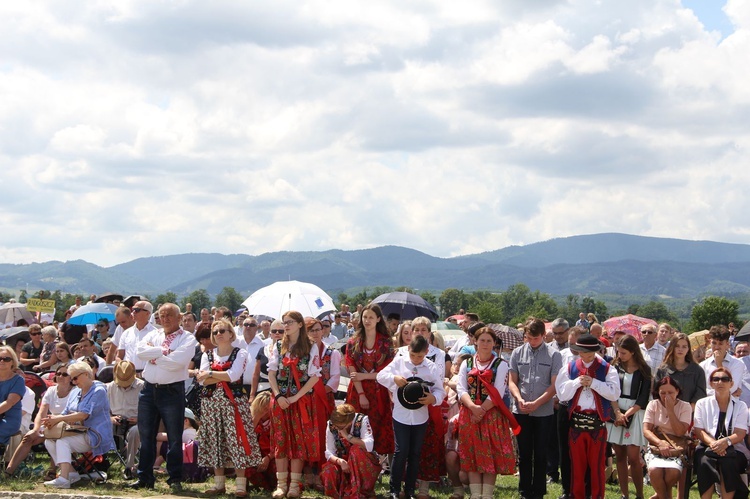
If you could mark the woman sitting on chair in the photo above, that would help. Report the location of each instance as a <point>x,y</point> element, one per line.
<point>12,390</point>
<point>720,425</point>
<point>87,410</point>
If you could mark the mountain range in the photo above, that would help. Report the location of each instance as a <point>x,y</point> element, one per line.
<point>585,264</point>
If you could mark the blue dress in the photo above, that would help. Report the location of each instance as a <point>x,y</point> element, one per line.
<point>10,422</point>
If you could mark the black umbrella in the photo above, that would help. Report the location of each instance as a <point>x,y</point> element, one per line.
<point>132,299</point>
<point>109,298</point>
<point>407,305</point>
<point>744,333</point>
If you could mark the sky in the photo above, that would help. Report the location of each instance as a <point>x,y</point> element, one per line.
<point>135,128</point>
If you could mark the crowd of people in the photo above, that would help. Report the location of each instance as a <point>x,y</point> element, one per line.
<point>260,402</point>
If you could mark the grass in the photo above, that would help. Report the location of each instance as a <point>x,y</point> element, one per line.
<point>506,486</point>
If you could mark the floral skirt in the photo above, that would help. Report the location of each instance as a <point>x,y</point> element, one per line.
<point>221,443</point>
<point>364,470</point>
<point>380,414</point>
<point>432,457</point>
<point>295,430</point>
<point>487,446</point>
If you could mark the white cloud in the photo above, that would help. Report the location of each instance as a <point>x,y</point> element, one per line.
<point>137,128</point>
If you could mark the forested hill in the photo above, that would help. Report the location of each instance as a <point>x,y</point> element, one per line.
<point>589,264</point>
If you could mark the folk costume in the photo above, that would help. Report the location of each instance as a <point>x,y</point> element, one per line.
<point>589,409</point>
<point>379,413</point>
<point>364,467</point>
<point>330,375</point>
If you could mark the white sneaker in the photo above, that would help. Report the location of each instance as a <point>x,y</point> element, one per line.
<point>73,477</point>
<point>58,483</point>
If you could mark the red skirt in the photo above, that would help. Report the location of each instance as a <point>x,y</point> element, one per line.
<point>263,479</point>
<point>364,470</point>
<point>487,446</point>
<point>432,457</point>
<point>295,431</point>
<point>379,413</point>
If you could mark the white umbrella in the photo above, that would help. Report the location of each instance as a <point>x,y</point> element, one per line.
<point>283,296</point>
<point>11,313</point>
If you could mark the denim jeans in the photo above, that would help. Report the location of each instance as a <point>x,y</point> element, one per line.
<point>158,403</point>
<point>409,441</point>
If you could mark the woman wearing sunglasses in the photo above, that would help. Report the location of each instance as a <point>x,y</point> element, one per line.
<point>12,390</point>
<point>227,436</point>
<point>720,425</point>
<point>53,402</point>
<point>87,406</point>
<point>260,377</point>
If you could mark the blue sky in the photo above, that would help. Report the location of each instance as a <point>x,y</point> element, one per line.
<point>143,128</point>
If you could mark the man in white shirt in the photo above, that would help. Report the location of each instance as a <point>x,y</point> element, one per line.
<point>252,342</point>
<point>134,335</point>
<point>653,352</point>
<point>338,328</point>
<point>328,338</point>
<point>166,353</point>
<point>124,319</point>
<point>720,357</point>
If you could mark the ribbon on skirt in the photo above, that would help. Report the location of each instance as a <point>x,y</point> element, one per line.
<point>304,402</point>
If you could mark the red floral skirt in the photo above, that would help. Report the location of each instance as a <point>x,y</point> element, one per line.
<point>487,446</point>
<point>379,413</point>
<point>359,482</point>
<point>295,431</point>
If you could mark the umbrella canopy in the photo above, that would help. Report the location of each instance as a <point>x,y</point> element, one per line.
<point>445,325</point>
<point>11,313</point>
<point>744,333</point>
<point>407,305</point>
<point>15,333</point>
<point>512,337</point>
<point>130,300</point>
<point>91,314</point>
<point>283,296</point>
<point>109,297</point>
<point>628,324</point>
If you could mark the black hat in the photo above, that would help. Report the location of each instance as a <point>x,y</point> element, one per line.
<point>414,389</point>
<point>586,343</point>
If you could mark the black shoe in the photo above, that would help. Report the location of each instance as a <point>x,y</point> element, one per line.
<point>139,484</point>
<point>175,488</point>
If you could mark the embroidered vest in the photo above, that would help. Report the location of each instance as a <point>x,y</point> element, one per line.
<point>325,365</point>
<point>236,387</point>
<point>284,376</point>
<point>600,367</point>
<point>342,446</point>
<point>475,386</point>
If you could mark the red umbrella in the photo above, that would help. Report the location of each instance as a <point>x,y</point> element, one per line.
<point>512,337</point>
<point>629,324</point>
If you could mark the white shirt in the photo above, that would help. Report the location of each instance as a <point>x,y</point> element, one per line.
<point>706,415</point>
<point>653,356</point>
<point>169,368</point>
<point>432,352</point>
<point>129,341</point>
<point>329,340</point>
<point>427,370</point>
<point>458,345</point>
<point>735,366</point>
<point>55,403</point>
<point>237,368</point>
<point>313,367</point>
<point>566,388</point>
<point>115,338</point>
<point>252,350</point>
<point>365,435</point>
<point>28,402</point>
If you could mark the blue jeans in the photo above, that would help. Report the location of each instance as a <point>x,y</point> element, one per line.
<point>158,403</point>
<point>409,441</point>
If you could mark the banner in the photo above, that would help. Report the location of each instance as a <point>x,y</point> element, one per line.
<point>39,305</point>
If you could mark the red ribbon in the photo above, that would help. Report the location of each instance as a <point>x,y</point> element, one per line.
<point>485,377</point>
<point>238,424</point>
<point>304,402</point>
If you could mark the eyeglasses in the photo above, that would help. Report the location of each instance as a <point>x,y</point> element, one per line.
<point>62,375</point>
<point>277,331</point>
<point>723,379</point>
<point>248,324</point>
<point>316,330</point>
<point>326,325</point>
<point>6,359</point>
<point>648,332</point>
<point>101,325</point>
<point>289,322</point>
<point>136,310</point>
<point>74,379</point>
<point>558,333</point>
<point>35,334</point>
<point>220,331</point>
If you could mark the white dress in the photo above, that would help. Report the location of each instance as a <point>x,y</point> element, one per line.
<point>633,435</point>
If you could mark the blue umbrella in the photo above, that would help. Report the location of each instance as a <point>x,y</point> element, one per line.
<point>407,305</point>
<point>91,314</point>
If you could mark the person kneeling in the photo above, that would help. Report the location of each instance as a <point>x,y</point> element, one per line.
<point>351,468</point>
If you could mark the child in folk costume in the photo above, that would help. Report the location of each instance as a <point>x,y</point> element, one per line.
<point>351,468</point>
<point>264,475</point>
<point>406,376</point>
<point>484,439</point>
<point>591,385</point>
<point>368,352</point>
<point>293,371</point>
<point>430,467</point>
<point>330,375</point>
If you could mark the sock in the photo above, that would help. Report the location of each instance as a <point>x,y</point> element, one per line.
<point>219,481</point>
<point>240,483</point>
<point>424,487</point>
<point>458,490</point>
<point>281,477</point>
<point>296,477</point>
<point>476,490</point>
<point>488,489</point>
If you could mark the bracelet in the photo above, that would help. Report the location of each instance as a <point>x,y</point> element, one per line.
<point>277,396</point>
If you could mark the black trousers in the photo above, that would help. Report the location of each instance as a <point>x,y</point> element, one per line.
<point>532,453</point>
<point>727,469</point>
<point>563,429</point>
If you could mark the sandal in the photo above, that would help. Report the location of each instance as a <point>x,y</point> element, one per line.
<point>214,491</point>
<point>50,474</point>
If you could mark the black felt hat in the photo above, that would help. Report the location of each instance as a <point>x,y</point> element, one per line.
<point>414,389</point>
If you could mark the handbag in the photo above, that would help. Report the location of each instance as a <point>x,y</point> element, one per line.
<point>61,430</point>
<point>678,445</point>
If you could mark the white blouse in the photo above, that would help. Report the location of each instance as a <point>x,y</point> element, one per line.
<point>365,435</point>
